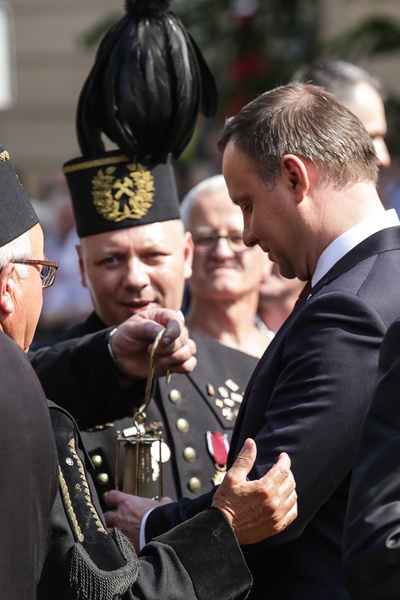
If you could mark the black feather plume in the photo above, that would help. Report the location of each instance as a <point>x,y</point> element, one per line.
<point>147,86</point>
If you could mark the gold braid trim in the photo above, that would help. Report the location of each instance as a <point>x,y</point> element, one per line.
<point>85,484</point>
<point>100,162</point>
<point>68,504</point>
<point>4,156</point>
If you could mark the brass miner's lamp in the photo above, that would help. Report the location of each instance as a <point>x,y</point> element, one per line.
<point>138,470</point>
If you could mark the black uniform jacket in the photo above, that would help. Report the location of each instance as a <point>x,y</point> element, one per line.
<point>372,533</point>
<point>84,561</point>
<point>27,473</point>
<point>308,396</point>
<point>208,399</point>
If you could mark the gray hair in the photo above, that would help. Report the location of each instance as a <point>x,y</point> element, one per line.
<point>211,184</point>
<point>19,248</point>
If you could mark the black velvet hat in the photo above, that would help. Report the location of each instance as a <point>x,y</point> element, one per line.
<point>146,88</point>
<point>112,192</point>
<point>16,211</point>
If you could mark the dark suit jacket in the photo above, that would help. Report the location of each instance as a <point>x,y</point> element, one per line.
<point>308,396</point>
<point>372,540</point>
<point>197,399</point>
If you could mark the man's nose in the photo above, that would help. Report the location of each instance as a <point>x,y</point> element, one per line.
<point>136,274</point>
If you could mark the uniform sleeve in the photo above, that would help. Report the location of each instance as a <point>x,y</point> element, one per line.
<point>80,376</point>
<point>372,532</point>
<point>199,559</point>
<point>167,516</point>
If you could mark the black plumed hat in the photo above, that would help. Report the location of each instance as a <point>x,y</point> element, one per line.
<point>146,88</point>
<point>16,211</point>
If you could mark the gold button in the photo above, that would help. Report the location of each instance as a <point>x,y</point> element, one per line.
<point>189,454</point>
<point>194,484</point>
<point>97,460</point>
<point>182,425</point>
<point>102,478</point>
<point>175,396</point>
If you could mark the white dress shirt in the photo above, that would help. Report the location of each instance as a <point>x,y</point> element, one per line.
<point>350,239</point>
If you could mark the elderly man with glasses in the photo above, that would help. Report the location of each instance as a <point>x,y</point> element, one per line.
<point>224,285</point>
<point>28,455</point>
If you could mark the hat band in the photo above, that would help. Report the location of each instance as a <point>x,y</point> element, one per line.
<point>98,162</point>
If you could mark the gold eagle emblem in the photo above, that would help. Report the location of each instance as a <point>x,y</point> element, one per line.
<point>129,197</point>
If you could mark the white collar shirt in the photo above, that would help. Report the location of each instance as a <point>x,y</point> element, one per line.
<point>350,239</point>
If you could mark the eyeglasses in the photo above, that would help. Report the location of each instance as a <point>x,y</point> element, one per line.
<point>207,242</point>
<point>47,272</point>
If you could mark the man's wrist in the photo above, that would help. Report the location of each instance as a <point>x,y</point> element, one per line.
<point>115,360</point>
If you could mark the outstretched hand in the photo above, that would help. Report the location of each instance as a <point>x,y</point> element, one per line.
<point>261,508</point>
<point>133,339</point>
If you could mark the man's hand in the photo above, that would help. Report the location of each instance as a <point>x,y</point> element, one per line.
<point>131,343</point>
<point>261,508</point>
<point>128,513</point>
<point>255,509</point>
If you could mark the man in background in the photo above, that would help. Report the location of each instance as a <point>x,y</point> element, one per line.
<point>223,288</point>
<point>359,91</point>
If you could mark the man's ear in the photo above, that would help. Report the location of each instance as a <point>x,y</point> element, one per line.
<point>7,289</point>
<point>187,272</point>
<point>78,249</point>
<point>295,172</point>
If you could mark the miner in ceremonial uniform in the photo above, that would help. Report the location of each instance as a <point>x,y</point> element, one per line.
<point>134,252</point>
<point>28,455</point>
<point>82,560</point>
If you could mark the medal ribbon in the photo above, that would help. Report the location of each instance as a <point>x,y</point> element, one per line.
<point>218,446</point>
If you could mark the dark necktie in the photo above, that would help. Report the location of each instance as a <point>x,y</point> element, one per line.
<point>304,292</point>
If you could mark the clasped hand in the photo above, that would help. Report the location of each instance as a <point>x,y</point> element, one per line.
<point>132,342</point>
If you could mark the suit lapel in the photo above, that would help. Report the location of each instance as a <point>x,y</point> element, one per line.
<point>381,241</point>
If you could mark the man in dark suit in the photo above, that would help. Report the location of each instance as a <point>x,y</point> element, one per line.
<point>371,540</point>
<point>303,170</point>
